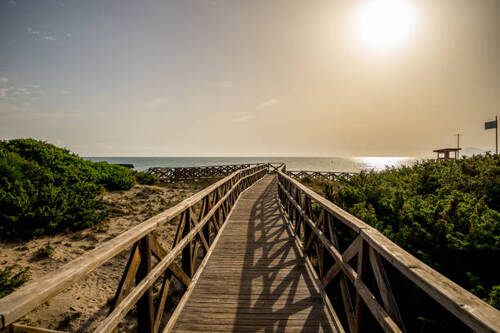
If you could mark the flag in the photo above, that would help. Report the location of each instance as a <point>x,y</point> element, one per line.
<point>490,124</point>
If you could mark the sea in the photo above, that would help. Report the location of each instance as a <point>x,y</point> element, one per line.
<point>343,164</point>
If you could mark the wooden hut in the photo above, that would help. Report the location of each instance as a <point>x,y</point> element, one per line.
<point>444,153</point>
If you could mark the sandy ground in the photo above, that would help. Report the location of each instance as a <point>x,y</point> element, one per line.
<point>82,306</point>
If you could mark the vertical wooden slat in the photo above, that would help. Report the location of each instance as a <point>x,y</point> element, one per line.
<point>307,207</point>
<point>195,245</point>
<point>145,304</point>
<point>187,252</point>
<point>207,229</point>
<point>163,298</point>
<point>127,277</point>
<point>180,229</point>
<point>385,289</point>
<point>344,288</point>
<point>362,268</point>
<point>217,214</point>
<point>322,259</point>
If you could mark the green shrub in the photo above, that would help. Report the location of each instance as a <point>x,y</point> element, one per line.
<point>494,297</point>
<point>446,213</point>
<point>66,166</point>
<point>114,177</point>
<point>12,277</point>
<point>306,179</point>
<point>438,210</point>
<point>45,251</point>
<point>45,189</point>
<point>145,178</point>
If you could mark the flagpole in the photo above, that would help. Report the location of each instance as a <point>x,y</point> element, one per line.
<point>496,134</point>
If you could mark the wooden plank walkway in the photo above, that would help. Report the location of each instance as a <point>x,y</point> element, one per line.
<point>255,280</point>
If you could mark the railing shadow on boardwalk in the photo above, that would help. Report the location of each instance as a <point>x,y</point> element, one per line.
<point>276,244</point>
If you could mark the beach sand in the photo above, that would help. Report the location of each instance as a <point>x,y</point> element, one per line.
<point>81,307</point>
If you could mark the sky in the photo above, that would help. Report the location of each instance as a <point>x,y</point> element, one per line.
<point>248,78</point>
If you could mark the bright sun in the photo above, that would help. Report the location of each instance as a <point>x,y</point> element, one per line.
<point>384,23</point>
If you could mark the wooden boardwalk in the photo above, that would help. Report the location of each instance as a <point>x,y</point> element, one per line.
<point>247,268</point>
<point>255,279</point>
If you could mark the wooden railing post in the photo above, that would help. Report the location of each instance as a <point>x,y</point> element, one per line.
<point>307,207</point>
<point>128,277</point>
<point>385,289</point>
<point>145,313</point>
<point>361,270</point>
<point>344,288</point>
<point>206,207</point>
<point>187,252</point>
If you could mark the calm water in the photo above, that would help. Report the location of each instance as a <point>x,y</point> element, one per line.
<point>351,164</point>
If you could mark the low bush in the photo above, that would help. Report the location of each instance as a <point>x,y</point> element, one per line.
<point>45,189</point>
<point>12,277</point>
<point>145,178</point>
<point>446,213</point>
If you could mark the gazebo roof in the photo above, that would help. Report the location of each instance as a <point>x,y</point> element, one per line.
<point>444,150</point>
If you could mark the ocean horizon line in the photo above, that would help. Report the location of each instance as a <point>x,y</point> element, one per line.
<point>249,156</point>
<point>338,164</point>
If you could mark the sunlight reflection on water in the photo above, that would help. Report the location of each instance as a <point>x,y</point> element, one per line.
<point>380,163</point>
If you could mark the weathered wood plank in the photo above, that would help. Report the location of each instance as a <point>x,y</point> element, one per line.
<point>163,298</point>
<point>185,173</point>
<point>175,316</point>
<point>19,328</point>
<point>385,289</point>
<point>474,312</point>
<point>114,318</point>
<point>128,277</point>
<point>255,265</point>
<point>159,252</point>
<point>145,312</point>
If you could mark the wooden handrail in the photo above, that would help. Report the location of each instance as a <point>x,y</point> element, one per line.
<point>217,200</point>
<point>369,246</point>
<point>168,174</point>
<point>112,321</point>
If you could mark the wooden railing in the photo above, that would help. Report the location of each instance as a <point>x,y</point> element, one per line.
<point>199,219</point>
<point>317,235</point>
<point>327,175</point>
<point>169,175</point>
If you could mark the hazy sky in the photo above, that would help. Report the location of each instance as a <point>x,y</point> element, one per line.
<point>246,78</point>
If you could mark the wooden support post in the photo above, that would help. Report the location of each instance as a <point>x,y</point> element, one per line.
<point>362,268</point>
<point>145,310</point>
<point>163,298</point>
<point>344,288</point>
<point>217,214</point>
<point>128,277</point>
<point>187,252</point>
<point>297,216</point>
<point>323,261</point>
<point>312,235</point>
<point>207,206</point>
<point>159,252</point>
<point>385,289</point>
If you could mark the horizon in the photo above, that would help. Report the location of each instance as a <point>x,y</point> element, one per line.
<point>467,151</point>
<point>261,78</point>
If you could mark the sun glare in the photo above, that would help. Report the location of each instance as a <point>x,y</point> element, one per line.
<point>384,23</point>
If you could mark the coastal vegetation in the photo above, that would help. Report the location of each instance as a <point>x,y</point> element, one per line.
<point>38,256</point>
<point>46,189</point>
<point>55,206</point>
<point>12,277</point>
<point>446,213</point>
